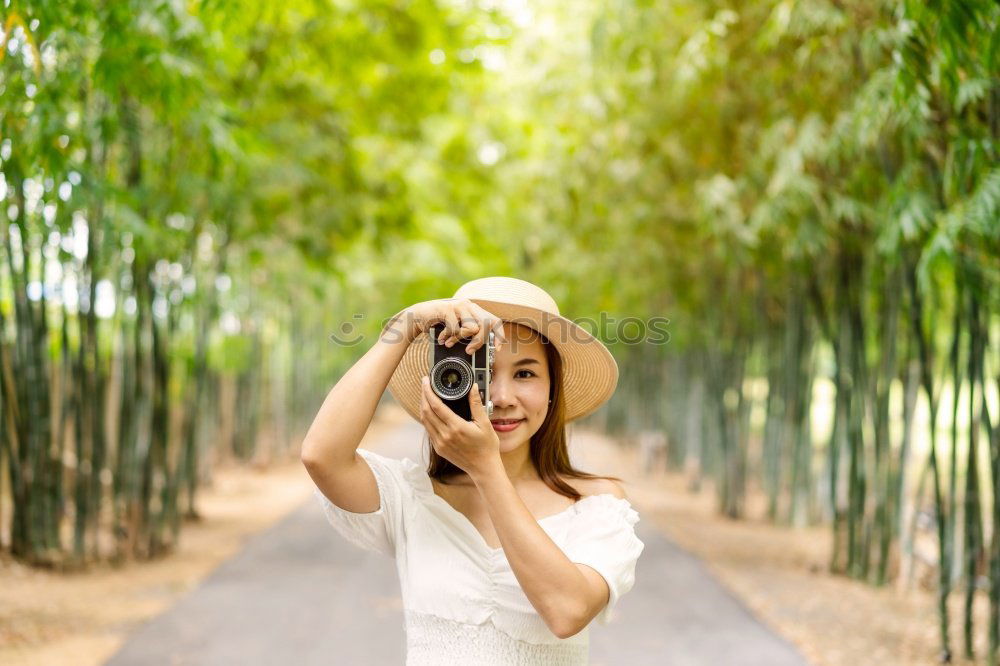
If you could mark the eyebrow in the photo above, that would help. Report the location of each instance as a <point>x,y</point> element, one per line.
<point>526,361</point>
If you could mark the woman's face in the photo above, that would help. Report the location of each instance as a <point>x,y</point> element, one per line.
<point>520,387</point>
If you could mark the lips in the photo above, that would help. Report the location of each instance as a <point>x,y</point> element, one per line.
<point>505,425</point>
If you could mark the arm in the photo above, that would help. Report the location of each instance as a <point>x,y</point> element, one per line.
<point>566,595</point>
<point>329,448</point>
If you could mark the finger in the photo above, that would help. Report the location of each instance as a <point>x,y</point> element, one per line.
<point>501,335</point>
<point>447,421</point>
<point>468,324</point>
<point>431,424</point>
<point>428,419</point>
<point>478,410</point>
<point>483,329</point>
<point>487,322</point>
<point>450,325</point>
<point>424,408</point>
<point>437,411</point>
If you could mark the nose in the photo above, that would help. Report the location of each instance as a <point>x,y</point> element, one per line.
<point>501,392</point>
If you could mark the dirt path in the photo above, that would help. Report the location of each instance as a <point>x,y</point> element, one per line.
<point>299,593</point>
<point>49,618</point>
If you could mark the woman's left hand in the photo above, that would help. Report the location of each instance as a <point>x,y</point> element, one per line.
<point>471,445</point>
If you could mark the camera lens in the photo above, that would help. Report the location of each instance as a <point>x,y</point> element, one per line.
<point>451,378</point>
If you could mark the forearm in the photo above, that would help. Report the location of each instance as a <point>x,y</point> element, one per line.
<point>551,582</point>
<point>348,409</point>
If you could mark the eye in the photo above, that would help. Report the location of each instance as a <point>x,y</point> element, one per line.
<point>530,373</point>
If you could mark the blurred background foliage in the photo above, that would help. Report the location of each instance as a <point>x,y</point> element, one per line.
<point>198,200</point>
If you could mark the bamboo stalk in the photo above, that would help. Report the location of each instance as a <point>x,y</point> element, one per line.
<point>924,355</point>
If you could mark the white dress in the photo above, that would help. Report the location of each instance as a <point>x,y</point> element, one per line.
<point>461,601</point>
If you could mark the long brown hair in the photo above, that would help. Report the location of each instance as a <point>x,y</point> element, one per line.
<point>548,451</point>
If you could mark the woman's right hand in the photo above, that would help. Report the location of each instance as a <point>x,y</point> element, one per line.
<point>461,318</point>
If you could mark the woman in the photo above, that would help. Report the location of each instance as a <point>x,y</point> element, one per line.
<point>501,559</point>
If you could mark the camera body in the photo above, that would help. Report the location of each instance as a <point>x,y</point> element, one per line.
<point>453,373</point>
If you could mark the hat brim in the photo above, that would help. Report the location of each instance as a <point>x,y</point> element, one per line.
<point>590,373</point>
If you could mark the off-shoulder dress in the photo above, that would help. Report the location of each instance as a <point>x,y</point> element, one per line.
<point>461,601</point>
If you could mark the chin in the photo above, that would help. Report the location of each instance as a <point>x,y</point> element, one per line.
<point>507,447</point>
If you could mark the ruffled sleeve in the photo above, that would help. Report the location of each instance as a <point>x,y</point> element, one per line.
<point>604,539</point>
<point>377,531</point>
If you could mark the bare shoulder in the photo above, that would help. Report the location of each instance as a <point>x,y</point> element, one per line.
<point>599,487</point>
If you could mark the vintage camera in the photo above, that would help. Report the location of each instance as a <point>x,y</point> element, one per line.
<point>454,373</point>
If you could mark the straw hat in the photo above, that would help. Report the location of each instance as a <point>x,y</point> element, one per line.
<point>589,371</point>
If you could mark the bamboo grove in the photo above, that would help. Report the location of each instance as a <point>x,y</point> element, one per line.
<point>832,222</point>
<point>207,205</point>
<point>167,223</point>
